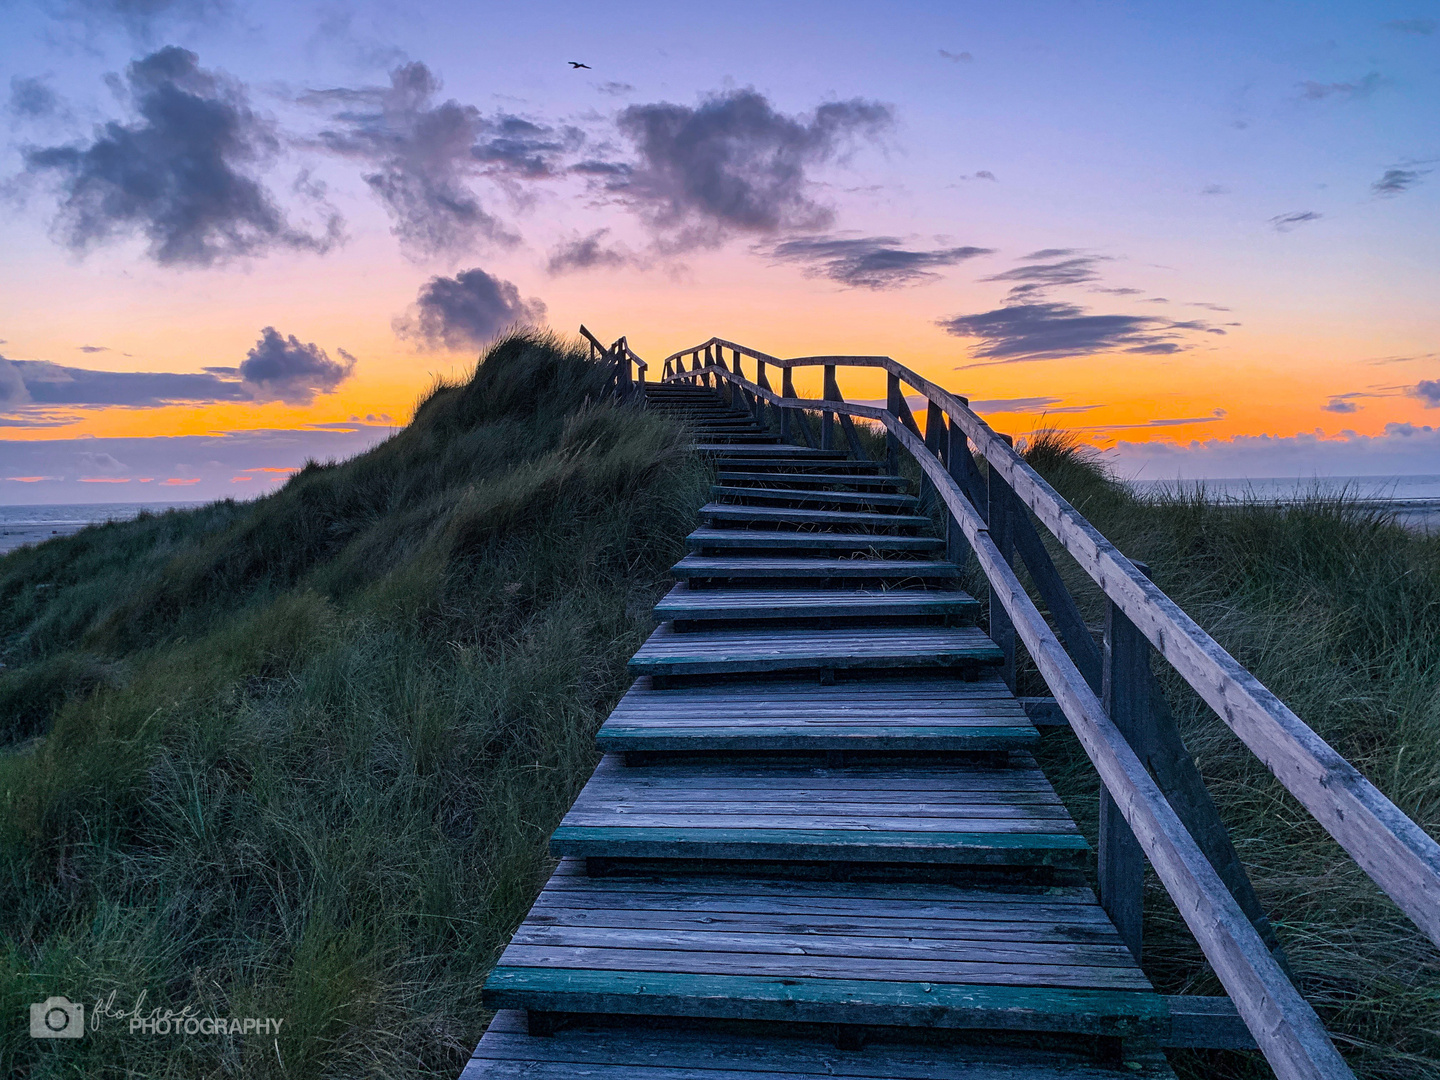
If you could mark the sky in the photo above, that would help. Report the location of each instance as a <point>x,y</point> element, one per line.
<point>237,235</point>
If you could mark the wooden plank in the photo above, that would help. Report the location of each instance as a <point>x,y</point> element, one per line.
<point>666,652</point>
<point>806,541</point>
<point>1120,860</point>
<point>799,479</point>
<point>607,1052</point>
<point>807,1000</point>
<point>798,516</point>
<point>720,604</point>
<point>804,496</point>
<point>701,566</point>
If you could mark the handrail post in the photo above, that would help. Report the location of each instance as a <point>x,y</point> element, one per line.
<point>960,465</point>
<point>787,389</point>
<point>827,418</point>
<point>1126,697</point>
<point>1001,505</point>
<point>895,402</point>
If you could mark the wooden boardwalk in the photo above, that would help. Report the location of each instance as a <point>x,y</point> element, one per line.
<point>817,844</point>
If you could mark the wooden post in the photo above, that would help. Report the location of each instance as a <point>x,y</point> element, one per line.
<point>957,458</point>
<point>936,442</point>
<point>787,389</point>
<point>827,418</point>
<point>1127,699</point>
<point>1001,506</point>
<point>895,402</point>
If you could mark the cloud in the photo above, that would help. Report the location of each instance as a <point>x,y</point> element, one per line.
<point>870,262</point>
<point>13,391</point>
<point>181,176</point>
<point>1214,189</point>
<point>32,99</point>
<point>1286,222</point>
<point>957,58</point>
<point>1048,268</point>
<point>735,164</point>
<point>466,311</point>
<point>1403,449</point>
<point>280,368</point>
<point>985,174</point>
<point>1341,404</point>
<point>1398,180</point>
<point>92,348</point>
<point>615,89</point>
<point>1428,391</point>
<point>424,156</point>
<point>1418,27</point>
<point>1049,331</point>
<point>1348,91</point>
<point>586,253</point>
<point>46,386</point>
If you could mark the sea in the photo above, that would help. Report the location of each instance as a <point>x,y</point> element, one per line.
<point>21,525</point>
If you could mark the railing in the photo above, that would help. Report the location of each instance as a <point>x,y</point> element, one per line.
<point>1169,817</point>
<point>623,384</point>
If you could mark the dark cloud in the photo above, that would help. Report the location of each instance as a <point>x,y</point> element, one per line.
<point>957,58</point>
<point>1396,181</point>
<point>92,348</point>
<point>1419,27</point>
<point>44,385</point>
<point>1286,222</point>
<point>1348,91</point>
<point>1066,268</point>
<point>281,368</point>
<point>1049,331</point>
<point>32,99</point>
<point>426,154</point>
<point>985,174</point>
<point>466,311</point>
<point>587,253</point>
<point>1428,391</point>
<point>1214,189</point>
<point>734,163</point>
<point>181,176</point>
<point>1120,290</point>
<point>870,262</point>
<point>615,89</point>
<point>1341,403</point>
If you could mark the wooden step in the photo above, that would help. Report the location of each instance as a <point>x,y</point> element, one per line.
<point>820,468</point>
<point>784,515</point>
<point>706,540</point>
<point>814,480</point>
<point>784,451</point>
<point>752,651</point>
<point>770,571</point>
<point>597,1050</point>
<point>742,438</point>
<point>951,815</point>
<point>718,605</point>
<point>915,714</point>
<point>885,954</point>
<point>810,497</point>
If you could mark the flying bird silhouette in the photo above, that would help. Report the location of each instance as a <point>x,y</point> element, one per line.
<point>577,64</point>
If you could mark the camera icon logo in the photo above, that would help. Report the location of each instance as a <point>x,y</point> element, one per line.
<point>57,1018</point>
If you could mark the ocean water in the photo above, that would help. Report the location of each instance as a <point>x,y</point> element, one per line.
<point>20,525</point>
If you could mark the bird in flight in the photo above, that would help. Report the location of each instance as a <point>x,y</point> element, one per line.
<point>577,64</point>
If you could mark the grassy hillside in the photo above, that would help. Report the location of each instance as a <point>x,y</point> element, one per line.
<point>1337,610</point>
<point>299,757</point>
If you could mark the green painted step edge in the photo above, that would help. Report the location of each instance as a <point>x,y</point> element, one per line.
<point>671,664</point>
<point>822,845</point>
<point>956,737</point>
<point>1122,1013</point>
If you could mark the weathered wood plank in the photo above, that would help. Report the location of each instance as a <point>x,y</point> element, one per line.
<point>755,568</point>
<point>734,604</point>
<point>805,1000</point>
<point>799,516</point>
<point>755,539</point>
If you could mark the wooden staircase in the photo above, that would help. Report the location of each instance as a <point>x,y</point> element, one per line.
<point>817,844</point>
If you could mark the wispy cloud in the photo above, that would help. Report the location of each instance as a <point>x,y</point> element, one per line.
<point>870,262</point>
<point>1414,27</point>
<point>1294,219</point>
<point>589,252</point>
<point>1359,88</point>
<point>1398,180</point>
<point>1054,330</point>
<point>956,57</point>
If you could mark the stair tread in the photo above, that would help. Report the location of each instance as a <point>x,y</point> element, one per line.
<point>606,1052</point>
<point>757,567</point>
<point>770,538</point>
<point>685,603</point>
<point>735,512</point>
<point>747,651</point>
<point>809,495</point>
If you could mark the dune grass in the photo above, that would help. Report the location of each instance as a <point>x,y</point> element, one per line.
<point>299,757</point>
<point>1337,610</point>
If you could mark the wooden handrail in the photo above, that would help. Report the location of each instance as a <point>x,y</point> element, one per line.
<point>1396,853</point>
